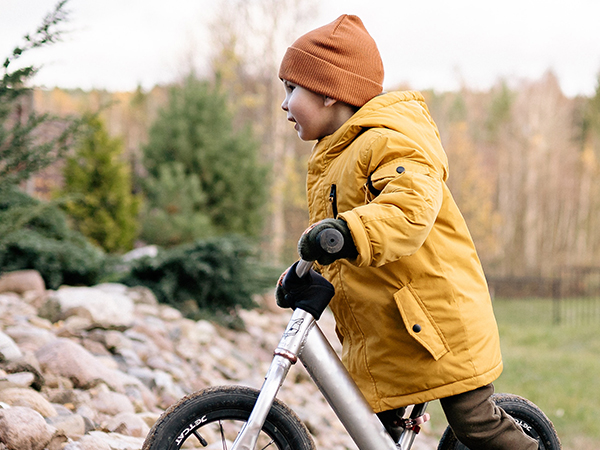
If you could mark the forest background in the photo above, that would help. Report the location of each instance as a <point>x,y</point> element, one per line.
<point>523,156</point>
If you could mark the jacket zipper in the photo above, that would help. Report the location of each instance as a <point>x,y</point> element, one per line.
<point>333,200</point>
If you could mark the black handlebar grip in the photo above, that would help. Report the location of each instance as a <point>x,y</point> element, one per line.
<point>331,240</point>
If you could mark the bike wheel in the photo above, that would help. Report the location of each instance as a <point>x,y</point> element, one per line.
<point>532,420</point>
<point>212,418</point>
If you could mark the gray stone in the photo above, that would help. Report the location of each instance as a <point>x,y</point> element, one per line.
<point>105,309</point>
<point>141,295</point>
<point>68,359</point>
<point>21,281</point>
<point>149,250</point>
<point>128,423</point>
<point>89,442</point>
<point>29,337</point>
<point>70,425</point>
<point>9,351</point>
<point>112,403</point>
<point>20,379</point>
<point>27,398</point>
<point>23,428</point>
<point>117,441</point>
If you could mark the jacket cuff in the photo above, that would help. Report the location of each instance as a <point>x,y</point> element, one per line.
<point>361,238</point>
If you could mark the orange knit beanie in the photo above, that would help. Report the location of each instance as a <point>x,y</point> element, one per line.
<point>339,60</point>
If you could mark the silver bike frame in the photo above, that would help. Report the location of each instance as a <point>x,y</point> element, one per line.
<point>304,340</point>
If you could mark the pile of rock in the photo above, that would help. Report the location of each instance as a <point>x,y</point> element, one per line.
<point>93,368</point>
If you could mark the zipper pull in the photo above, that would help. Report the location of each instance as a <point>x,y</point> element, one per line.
<point>332,194</point>
<point>333,200</point>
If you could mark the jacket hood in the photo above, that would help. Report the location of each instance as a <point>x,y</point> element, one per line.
<point>403,111</point>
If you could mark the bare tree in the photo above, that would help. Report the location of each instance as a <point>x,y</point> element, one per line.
<point>249,46</point>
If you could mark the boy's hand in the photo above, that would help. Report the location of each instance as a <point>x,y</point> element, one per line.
<point>310,248</point>
<point>312,292</point>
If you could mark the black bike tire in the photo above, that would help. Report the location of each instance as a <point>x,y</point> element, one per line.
<point>225,403</point>
<point>531,418</point>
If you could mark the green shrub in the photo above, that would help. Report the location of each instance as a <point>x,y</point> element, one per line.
<point>212,275</point>
<point>36,235</point>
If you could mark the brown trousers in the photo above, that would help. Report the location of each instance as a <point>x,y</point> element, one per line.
<point>481,425</point>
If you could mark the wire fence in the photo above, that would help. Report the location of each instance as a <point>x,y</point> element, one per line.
<point>572,294</point>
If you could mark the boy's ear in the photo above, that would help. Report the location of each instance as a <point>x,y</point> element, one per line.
<point>328,101</point>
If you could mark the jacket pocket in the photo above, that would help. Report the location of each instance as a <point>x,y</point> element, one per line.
<point>419,323</point>
<point>379,179</point>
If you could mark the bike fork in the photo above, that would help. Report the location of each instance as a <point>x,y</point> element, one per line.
<point>285,355</point>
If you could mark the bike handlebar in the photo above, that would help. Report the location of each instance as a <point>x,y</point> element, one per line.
<point>303,267</point>
<point>330,240</point>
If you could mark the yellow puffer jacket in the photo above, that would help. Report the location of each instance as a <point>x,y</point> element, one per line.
<point>413,311</point>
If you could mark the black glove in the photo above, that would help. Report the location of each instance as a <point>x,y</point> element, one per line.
<point>312,292</point>
<point>310,248</point>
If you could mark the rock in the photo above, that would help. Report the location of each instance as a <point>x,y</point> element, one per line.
<point>169,314</point>
<point>23,428</point>
<point>21,281</point>
<point>89,442</point>
<point>111,309</point>
<point>20,379</point>
<point>13,309</point>
<point>149,417</point>
<point>141,295</point>
<point>149,251</point>
<point>112,403</point>
<point>201,332</point>
<point>112,288</point>
<point>8,348</point>
<point>117,441</point>
<point>22,373</point>
<point>28,398</point>
<point>68,359</point>
<point>128,423</point>
<point>29,337</point>
<point>70,425</point>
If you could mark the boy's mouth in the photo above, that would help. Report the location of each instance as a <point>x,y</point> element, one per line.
<point>291,119</point>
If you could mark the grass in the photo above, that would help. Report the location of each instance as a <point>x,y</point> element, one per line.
<point>556,366</point>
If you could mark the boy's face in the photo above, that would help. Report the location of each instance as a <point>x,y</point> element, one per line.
<point>312,113</point>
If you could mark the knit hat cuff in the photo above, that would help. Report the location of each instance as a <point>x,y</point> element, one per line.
<point>324,78</point>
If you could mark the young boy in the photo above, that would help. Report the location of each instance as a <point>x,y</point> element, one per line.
<point>411,302</point>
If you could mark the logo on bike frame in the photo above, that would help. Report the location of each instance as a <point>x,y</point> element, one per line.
<point>293,328</point>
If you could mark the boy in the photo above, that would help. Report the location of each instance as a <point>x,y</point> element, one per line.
<point>411,303</point>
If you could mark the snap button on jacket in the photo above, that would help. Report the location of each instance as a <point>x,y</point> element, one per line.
<point>413,311</point>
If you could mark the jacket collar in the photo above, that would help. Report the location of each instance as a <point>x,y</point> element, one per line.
<point>389,110</point>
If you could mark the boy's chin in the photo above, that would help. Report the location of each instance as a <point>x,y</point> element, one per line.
<point>307,137</point>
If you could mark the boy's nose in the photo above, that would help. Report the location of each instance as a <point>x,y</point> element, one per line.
<point>284,105</point>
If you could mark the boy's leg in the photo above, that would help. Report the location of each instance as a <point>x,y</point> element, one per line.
<point>479,424</point>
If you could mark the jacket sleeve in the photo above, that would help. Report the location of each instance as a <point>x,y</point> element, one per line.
<point>404,195</point>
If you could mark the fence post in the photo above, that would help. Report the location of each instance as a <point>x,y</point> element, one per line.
<point>556,315</point>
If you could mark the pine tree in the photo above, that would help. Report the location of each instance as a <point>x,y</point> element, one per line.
<point>105,209</point>
<point>176,215</point>
<point>196,130</point>
<point>22,151</point>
